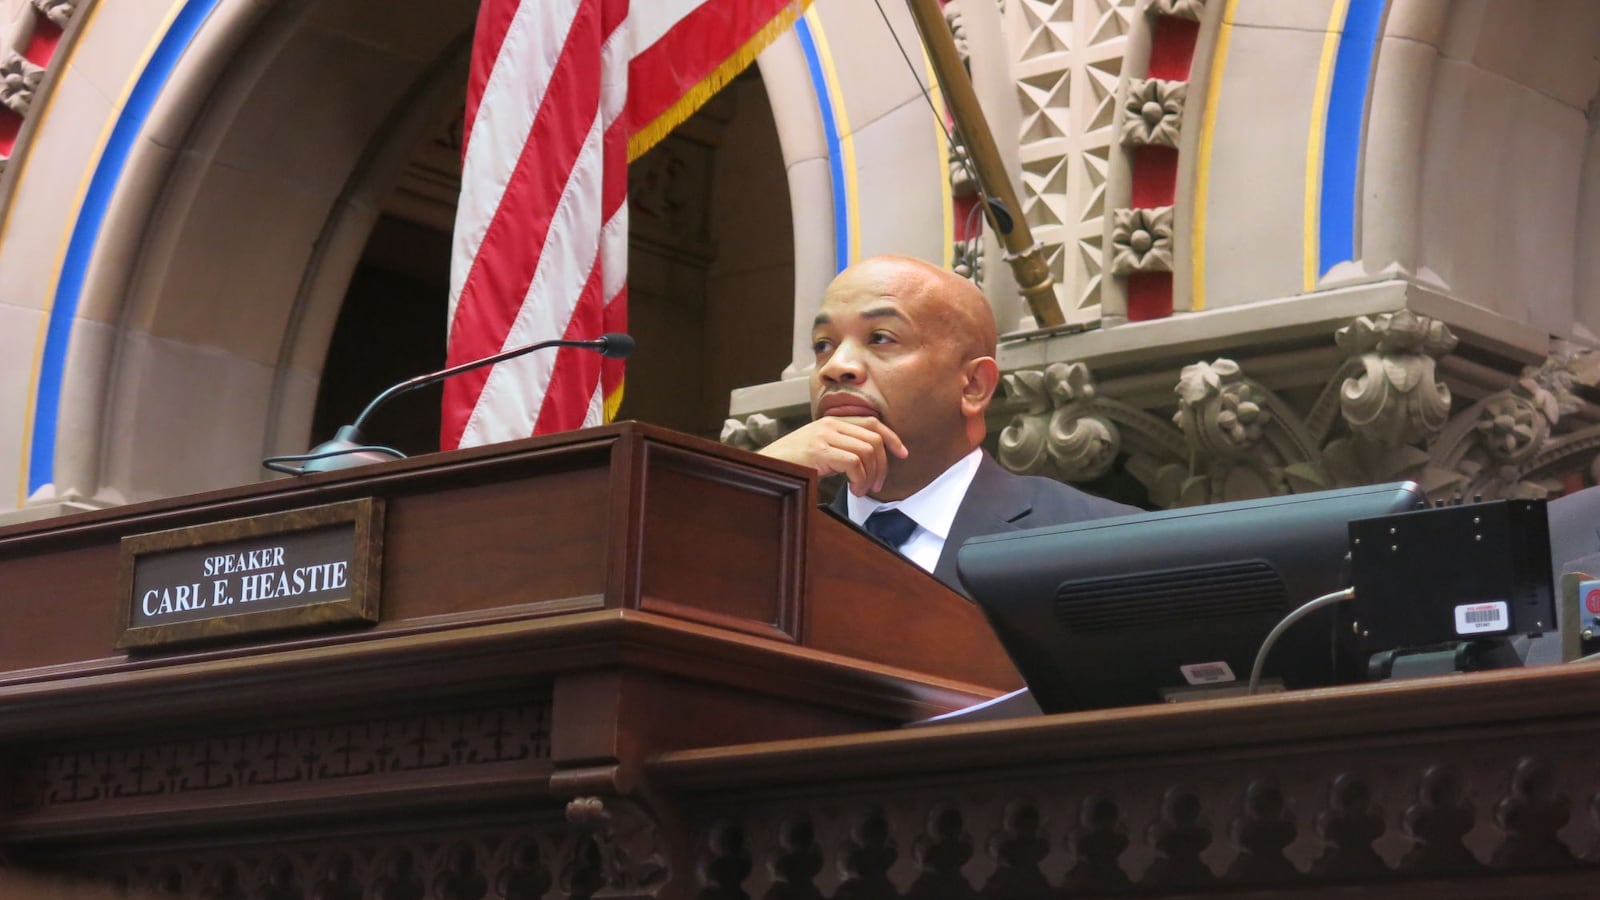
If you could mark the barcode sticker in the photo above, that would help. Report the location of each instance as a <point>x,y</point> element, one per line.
<point>1481,617</point>
<point>1208,673</point>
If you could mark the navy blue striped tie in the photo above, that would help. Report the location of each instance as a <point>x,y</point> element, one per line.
<point>890,526</point>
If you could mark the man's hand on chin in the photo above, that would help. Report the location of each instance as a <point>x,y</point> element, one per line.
<point>857,447</point>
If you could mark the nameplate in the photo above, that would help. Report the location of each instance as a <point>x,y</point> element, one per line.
<point>289,571</point>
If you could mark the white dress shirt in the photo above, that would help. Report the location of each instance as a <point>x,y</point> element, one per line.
<point>933,509</point>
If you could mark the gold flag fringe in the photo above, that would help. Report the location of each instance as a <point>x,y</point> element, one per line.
<point>614,402</point>
<point>651,134</point>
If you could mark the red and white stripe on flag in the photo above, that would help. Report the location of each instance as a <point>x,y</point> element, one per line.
<point>561,95</point>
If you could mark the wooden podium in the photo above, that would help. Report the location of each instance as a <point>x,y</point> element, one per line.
<point>626,663</point>
<point>553,611</point>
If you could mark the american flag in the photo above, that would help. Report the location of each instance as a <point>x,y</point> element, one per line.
<point>561,95</point>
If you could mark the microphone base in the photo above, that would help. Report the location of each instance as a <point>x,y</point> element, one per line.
<point>346,450</point>
<point>347,456</point>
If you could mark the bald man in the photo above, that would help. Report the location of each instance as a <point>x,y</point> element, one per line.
<point>905,372</point>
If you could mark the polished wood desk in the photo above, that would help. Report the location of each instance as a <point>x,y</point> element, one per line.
<point>626,663</point>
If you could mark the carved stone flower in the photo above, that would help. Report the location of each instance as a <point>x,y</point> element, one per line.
<point>963,181</point>
<point>19,78</point>
<point>1550,386</point>
<point>966,260</point>
<point>1178,9</point>
<point>1396,332</point>
<point>1025,389</point>
<point>57,11</point>
<point>1218,409</point>
<point>1069,382</point>
<point>1153,112</point>
<point>958,29</point>
<point>752,433</point>
<point>1142,240</point>
<point>1512,428</point>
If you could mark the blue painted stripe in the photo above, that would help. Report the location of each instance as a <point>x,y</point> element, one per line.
<point>830,128</point>
<point>1341,143</point>
<point>86,233</point>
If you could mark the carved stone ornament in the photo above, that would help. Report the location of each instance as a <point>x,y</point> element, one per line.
<point>1219,411</point>
<point>1178,9</point>
<point>1070,441</point>
<point>1384,414</point>
<point>1142,240</point>
<point>1153,112</point>
<point>966,259</point>
<point>958,29</point>
<point>1512,428</point>
<point>1393,401</point>
<point>963,179</point>
<point>58,11</point>
<point>1507,444</point>
<point>19,78</point>
<point>751,433</point>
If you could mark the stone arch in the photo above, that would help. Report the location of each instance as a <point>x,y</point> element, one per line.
<point>243,208</point>
<point>1481,170</point>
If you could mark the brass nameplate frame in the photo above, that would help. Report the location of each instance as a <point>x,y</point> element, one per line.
<point>305,568</point>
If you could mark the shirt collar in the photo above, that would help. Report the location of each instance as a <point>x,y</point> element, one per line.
<point>934,507</point>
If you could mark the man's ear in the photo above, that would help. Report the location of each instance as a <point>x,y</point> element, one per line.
<point>982,377</point>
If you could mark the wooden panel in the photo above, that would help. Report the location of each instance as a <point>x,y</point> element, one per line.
<point>489,545</point>
<point>720,543</point>
<point>467,533</point>
<point>880,607</point>
<point>58,607</point>
<point>364,760</point>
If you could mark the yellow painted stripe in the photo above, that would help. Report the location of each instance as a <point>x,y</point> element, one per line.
<point>1315,142</point>
<point>847,141</point>
<point>942,146</point>
<point>1202,170</point>
<point>29,410</point>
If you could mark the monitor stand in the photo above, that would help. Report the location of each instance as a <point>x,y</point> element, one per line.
<point>1462,656</point>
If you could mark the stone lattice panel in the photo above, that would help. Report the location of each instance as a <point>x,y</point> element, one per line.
<point>1067,64</point>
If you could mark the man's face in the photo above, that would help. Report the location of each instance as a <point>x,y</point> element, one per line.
<point>882,347</point>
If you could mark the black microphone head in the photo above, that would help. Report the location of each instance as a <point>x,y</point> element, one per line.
<point>616,345</point>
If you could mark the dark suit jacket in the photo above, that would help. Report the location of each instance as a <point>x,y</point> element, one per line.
<point>999,501</point>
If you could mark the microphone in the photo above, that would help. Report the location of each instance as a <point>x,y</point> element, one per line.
<point>348,449</point>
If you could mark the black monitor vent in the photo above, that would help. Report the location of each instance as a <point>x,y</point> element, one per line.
<point>1170,596</point>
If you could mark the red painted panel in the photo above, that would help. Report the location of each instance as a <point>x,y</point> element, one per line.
<point>10,124</point>
<point>1172,48</point>
<point>1155,177</point>
<point>963,209</point>
<point>1149,296</point>
<point>42,46</point>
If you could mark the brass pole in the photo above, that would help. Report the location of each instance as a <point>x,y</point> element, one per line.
<point>1026,260</point>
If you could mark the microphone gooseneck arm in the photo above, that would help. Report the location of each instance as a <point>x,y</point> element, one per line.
<point>613,345</point>
<point>348,448</point>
